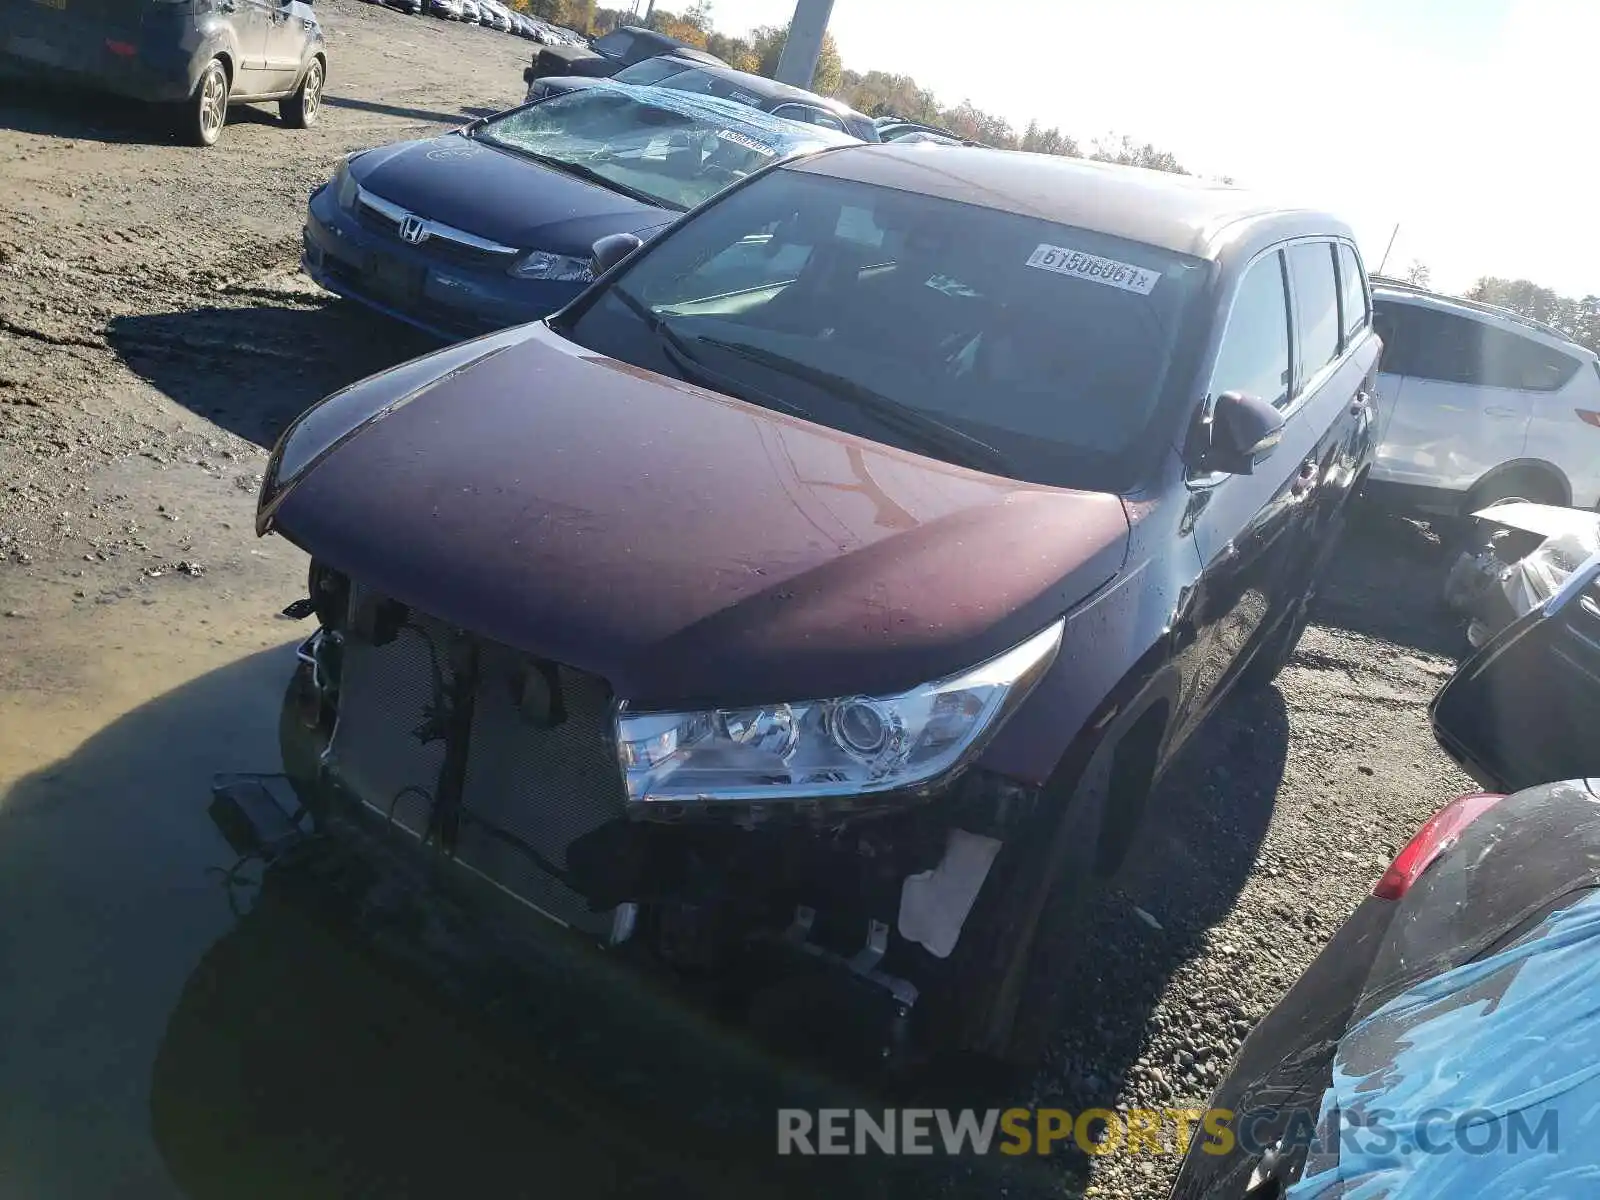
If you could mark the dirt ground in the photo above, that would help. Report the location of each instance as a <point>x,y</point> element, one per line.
<point>155,336</point>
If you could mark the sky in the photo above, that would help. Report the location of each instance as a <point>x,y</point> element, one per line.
<point>1467,123</point>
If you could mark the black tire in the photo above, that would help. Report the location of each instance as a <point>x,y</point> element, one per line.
<point>1279,648</point>
<point>300,111</point>
<point>207,109</point>
<point>1456,533</point>
<point>995,1001</point>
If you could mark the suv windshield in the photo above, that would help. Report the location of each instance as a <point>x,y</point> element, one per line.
<point>990,339</point>
<point>674,154</point>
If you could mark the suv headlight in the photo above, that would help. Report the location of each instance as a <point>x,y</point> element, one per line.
<point>848,746</point>
<point>562,268</point>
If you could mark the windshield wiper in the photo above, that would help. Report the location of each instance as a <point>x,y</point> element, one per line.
<point>923,431</point>
<point>692,369</point>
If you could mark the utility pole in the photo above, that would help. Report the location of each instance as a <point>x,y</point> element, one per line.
<point>649,9</point>
<point>798,63</point>
<point>1387,249</point>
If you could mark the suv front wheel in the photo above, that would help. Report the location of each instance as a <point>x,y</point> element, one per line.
<point>300,110</point>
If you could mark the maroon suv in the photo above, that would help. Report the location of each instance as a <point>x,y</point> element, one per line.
<point>830,582</point>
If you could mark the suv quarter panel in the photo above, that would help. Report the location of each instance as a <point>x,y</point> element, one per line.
<point>1558,435</point>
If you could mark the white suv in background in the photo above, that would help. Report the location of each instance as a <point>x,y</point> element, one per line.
<point>1478,404</point>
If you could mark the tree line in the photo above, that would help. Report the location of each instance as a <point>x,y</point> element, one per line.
<point>1579,319</point>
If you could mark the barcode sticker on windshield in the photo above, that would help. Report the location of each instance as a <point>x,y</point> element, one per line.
<point>1094,268</point>
<point>745,140</point>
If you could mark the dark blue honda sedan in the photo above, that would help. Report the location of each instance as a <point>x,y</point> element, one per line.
<point>492,225</point>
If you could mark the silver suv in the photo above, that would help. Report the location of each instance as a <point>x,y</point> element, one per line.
<point>1478,404</point>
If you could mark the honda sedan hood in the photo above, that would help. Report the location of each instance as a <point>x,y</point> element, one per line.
<point>688,547</point>
<point>501,196</point>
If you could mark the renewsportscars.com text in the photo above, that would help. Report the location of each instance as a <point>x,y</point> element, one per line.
<point>1016,1131</point>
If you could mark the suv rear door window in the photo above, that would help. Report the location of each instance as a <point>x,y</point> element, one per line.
<point>1352,294</point>
<point>1254,356</point>
<point>1316,291</point>
<point>1428,344</point>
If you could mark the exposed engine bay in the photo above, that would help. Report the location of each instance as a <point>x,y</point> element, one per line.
<point>506,767</point>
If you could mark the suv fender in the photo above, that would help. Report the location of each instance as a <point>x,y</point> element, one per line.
<point>1517,478</point>
<point>1019,940</point>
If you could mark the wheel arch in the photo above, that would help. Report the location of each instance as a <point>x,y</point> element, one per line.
<point>1134,725</point>
<point>1538,467</point>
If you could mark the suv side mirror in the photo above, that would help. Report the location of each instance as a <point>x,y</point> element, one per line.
<point>612,249</point>
<point>1244,430</point>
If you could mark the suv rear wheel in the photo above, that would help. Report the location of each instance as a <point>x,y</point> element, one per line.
<point>207,110</point>
<point>1520,483</point>
<point>300,110</point>
<point>1523,483</point>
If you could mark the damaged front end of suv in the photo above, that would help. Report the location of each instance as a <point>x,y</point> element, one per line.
<point>635,729</point>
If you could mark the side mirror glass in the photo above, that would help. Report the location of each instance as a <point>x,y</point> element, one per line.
<point>1243,431</point>
<point>612,249</point>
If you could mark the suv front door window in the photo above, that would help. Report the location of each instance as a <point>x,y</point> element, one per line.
<point>1254,356</point>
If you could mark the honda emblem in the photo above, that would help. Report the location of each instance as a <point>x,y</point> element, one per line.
<point>413,229</point>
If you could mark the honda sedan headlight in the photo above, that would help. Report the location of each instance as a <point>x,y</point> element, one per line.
<point>559,268</point>
<point>345,188</point>
<point>848,746</point>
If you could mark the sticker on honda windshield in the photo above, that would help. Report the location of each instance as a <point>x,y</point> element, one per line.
<point>748,142</point>
<point>1094,268</point>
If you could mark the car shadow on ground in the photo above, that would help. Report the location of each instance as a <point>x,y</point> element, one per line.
<point>63,112</point>
<point>401,110</point>
<point>1386,580</point>
<point>43,108</point>
<point>252,370</point>
<point>316,1029</point>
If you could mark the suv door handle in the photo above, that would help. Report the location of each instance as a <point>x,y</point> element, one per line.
<point>1501,410</point>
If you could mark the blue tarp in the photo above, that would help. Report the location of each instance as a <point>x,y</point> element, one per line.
<point>1481,1082</point>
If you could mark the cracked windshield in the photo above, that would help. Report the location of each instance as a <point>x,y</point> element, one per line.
<point>766,598</point>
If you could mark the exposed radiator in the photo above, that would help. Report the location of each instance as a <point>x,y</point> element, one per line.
<point>542,786</point>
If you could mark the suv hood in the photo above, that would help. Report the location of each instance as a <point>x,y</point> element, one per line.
<point>499,195</point>
<point>690,548</point>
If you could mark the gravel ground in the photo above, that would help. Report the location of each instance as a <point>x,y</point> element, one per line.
<point>155,335</point>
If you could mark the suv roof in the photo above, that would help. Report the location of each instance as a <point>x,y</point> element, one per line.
<point>1400,289</point>
<point>1180,213</point>
<point>767,89</point>
<point>676,47</point>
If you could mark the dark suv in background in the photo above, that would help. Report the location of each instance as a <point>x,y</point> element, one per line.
<point>609,53</point>
<point>704,79</point>
<point>199,55</point>
<point>828,584</point>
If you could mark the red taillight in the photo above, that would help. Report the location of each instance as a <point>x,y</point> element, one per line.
<point>121,49</point>
<point>1588,416</point>
<point>1435,837</point>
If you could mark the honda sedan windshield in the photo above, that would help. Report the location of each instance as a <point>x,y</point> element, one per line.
<point>664,147</point>
<point>987,338</point>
